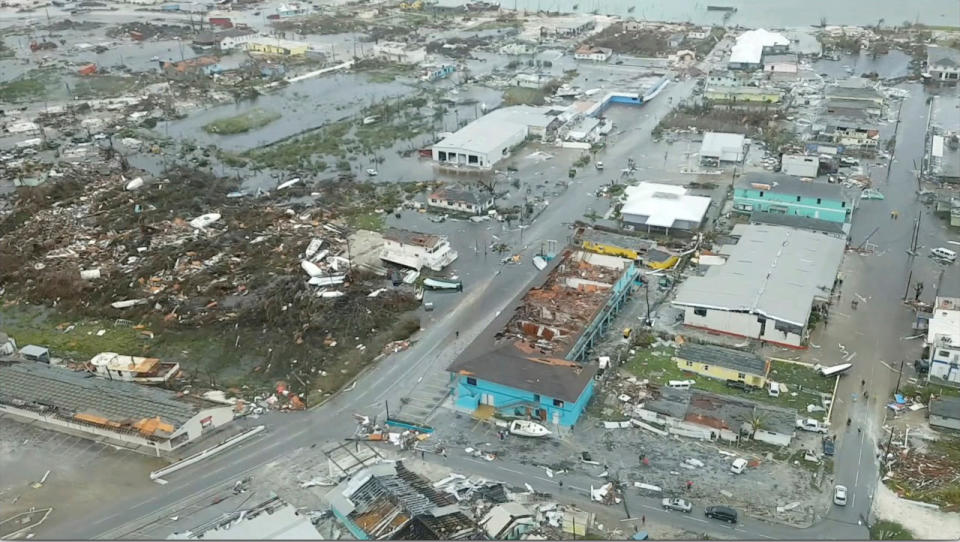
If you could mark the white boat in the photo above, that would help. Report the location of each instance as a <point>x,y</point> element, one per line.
<point>525,428</point>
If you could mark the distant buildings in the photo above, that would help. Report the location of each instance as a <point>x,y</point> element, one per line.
<point>743,97</point>
<point>787,195</point>
<point>399,52</point>
<point>124,413</point>
<point>463,201</point>
<point>768,286</point>
<point>719,147</point>
<point>416,250</point>
<point>752,45</point>
<point>662,207</point>
<point>595,54</point>
<point>943,65</point>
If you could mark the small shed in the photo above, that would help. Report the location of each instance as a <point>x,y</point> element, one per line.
<point>33,352</point>
<point>945,412</point>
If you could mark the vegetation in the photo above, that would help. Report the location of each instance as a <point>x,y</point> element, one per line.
<point>889,530</point>
<point>524,96</point>
<point>104,86</point>
<point>31,86</point>
<point>253,119</point>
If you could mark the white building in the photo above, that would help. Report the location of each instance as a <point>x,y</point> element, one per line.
<point>417,250</point>
<point>768,286</point>
<point>649,206</point>
<point>124,413</point>
<point>595,54</point>
<point>747,53</point>
<point>399,52</point>
<point>943,340</point>
<point>114,366</point>
<point>462,201</point>
<point>800,165</point>
<point>489,139</point>
<point>719,147</point>
<point>943,65</point>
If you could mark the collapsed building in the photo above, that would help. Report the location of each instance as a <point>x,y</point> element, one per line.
<point>124,413</point>
<point>530,360</point>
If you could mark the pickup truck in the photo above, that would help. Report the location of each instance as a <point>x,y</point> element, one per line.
<point>811,425</point>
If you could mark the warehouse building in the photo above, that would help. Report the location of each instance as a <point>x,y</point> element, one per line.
<point>662,207</point>
<point>719,147</point>
<point>768,286</point>
<point>490,138</point>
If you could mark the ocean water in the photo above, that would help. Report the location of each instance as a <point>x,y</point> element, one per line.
<point>756,13</point>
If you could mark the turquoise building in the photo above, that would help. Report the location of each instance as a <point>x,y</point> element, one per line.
<point>787,195</point>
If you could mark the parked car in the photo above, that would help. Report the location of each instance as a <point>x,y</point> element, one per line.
<point>828,446</point>
<point>723,513</point>
<point>840,495</point>
<point>679,505</point>
<point>811,425</point>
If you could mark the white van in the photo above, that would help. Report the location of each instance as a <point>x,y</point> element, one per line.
<point>941,253</point>
<point>680,384</point>
<point>739,464</point>
<point>774,390</point>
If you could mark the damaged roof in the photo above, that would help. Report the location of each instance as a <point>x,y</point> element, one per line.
<point>72,394</point>
<point>738,360</point>
<point>669,402</point>
<point>407,237</point>
<point>516,365</point>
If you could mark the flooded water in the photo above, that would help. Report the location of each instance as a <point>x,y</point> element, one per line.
<point>782,13</point>
<point>891,65</point>
<point>303,105</point>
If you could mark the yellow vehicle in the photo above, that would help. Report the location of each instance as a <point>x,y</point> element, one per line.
<point>626,332</point>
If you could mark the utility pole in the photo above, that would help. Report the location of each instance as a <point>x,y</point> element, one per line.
<point>897,390</point>
<point>906,292</point>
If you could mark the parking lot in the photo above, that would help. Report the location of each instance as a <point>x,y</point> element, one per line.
<point>28,451</point>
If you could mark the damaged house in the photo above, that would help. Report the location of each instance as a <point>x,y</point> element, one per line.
<point>535,367</point>
<point>416,250</point>
<point>388,501</point>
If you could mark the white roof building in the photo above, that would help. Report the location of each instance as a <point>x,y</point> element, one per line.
<point>722,147</point>
<point>751,44</point>
<point>654,205</point>
<point>487,140</point>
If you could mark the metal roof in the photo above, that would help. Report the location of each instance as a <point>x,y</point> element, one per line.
<point>716,143</point>
<point>663,205</point>
<point>797,221</point>
<point>942,56</point>
<point>487,133</point>
<point>945,407</point>
<point>749,46</point>
<point>788,184</point>
<point>773,270</point>
<point>738,360</point>
<point>512,367</point>
<point>71,392</point>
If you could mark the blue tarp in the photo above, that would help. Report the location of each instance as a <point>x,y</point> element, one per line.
<point>642,535</point>
<point>899,398</point>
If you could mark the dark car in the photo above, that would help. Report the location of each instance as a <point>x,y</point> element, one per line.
<point>723,513</point>
<point>828,446</point>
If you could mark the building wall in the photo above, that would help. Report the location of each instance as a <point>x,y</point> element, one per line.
<point>944,369</point>
<point>460,207</point>
<point>944,74</point>
<point>405,255</point>
<point>741,325</point>
<point>720,373</point>
<point>940,421</point>
<point>95,432</point>
<point>730,95</point>
<point>469,396</point>
<point>479,159</point>
<point>205,420</point>
<point>752,199</point>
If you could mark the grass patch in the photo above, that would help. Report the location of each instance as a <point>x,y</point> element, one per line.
<point>524,96</point>
<point>925,390</point>
<point>29,87</point>
<point>250,120</point>
<point>366,221</point>
<point>889,530</point>
<point>81,342</point>
<point>103,86</point>
<point>658,366</point>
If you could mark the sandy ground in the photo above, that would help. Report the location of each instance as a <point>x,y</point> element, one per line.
<point>27,452</point>
<point>925,523</point>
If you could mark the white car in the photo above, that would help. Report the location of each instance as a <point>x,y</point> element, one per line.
<point>840,495</point>
<point>738,466</point>
<point>372,172</point>
<point>679,505</point>
<point>812,425</point>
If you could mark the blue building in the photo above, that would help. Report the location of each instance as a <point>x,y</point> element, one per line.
<point>539,371</point>
<point>788,195</point>
<point>517,381</point>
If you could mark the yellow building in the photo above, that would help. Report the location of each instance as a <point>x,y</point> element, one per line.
<point>723,363</point>
<point>751,95</point>
<point>276,47</point>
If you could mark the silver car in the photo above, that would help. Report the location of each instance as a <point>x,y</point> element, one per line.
<point>679,505</point>
<point>840,495</point>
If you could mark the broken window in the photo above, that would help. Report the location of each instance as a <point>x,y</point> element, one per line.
<point>471,381</point>
<point>741,376</point>
<point>536,397</point>
<point>558,403</point>
<point>700,312</point>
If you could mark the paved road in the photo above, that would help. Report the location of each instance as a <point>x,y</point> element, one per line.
<point>396,376</point>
